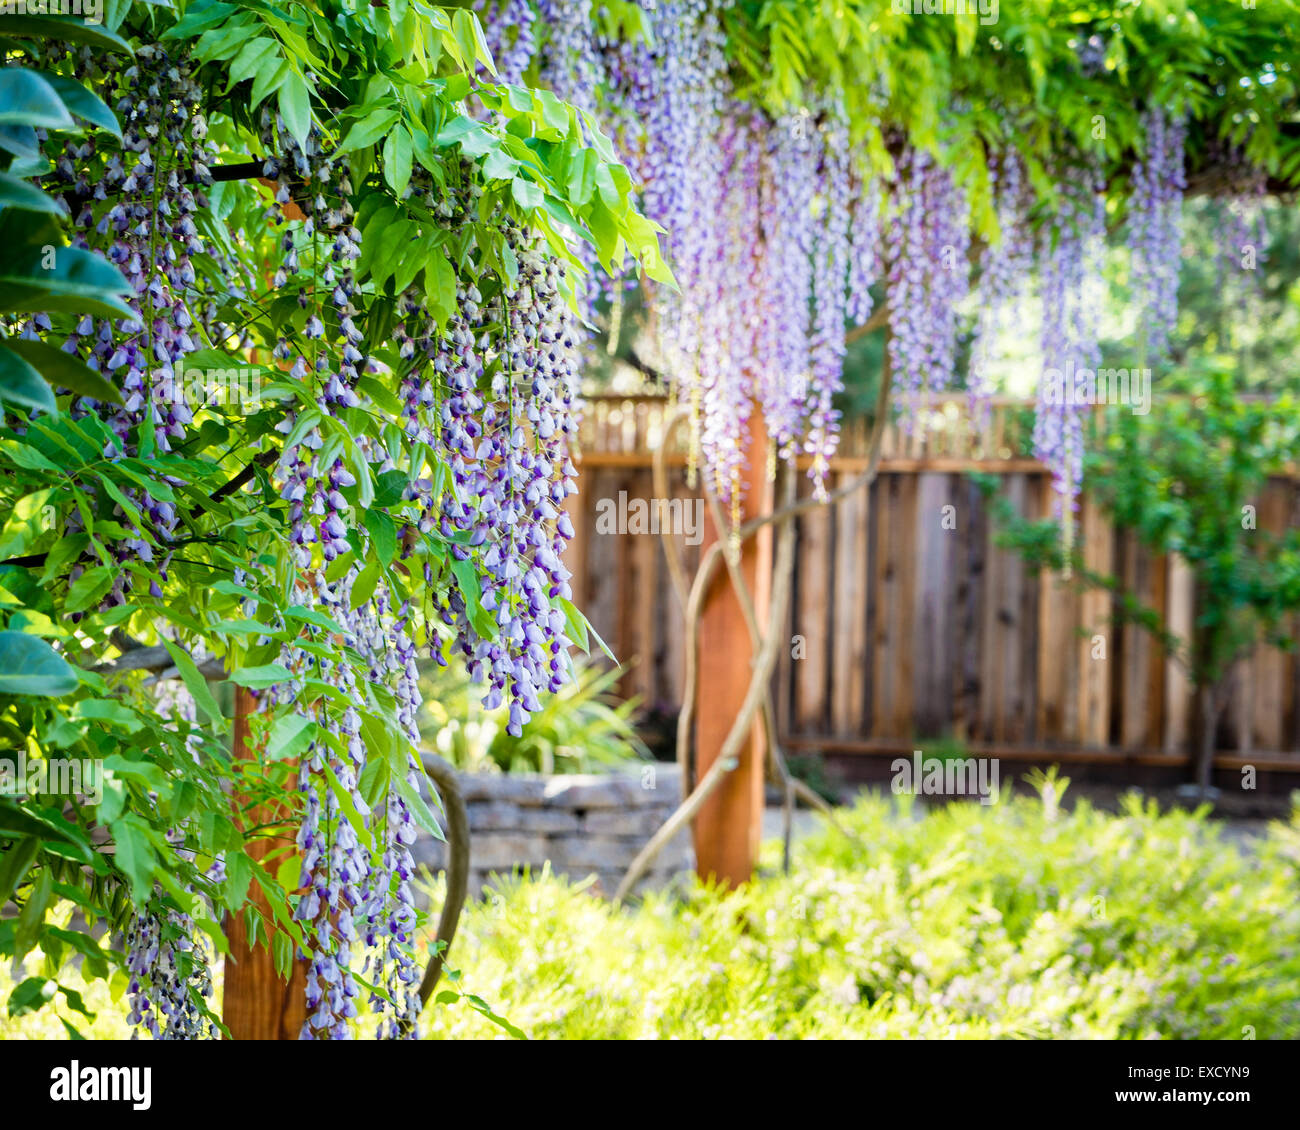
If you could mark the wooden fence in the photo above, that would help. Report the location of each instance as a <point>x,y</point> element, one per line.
<point>907,623</point>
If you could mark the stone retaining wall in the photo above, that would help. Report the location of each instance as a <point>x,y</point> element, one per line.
<point>581,824</point>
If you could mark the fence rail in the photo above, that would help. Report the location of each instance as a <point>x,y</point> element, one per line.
<point>908,623</point>
<point>623,430</point>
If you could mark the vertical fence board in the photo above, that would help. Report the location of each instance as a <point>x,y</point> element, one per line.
<point>848,585</point>
<point>812,671</point>
<point>1268,663</point>
<point>935,527</point>
<point>1180,616</point>
<point>887,688</point>
<point>602,583</point>
<point>1057,655</point>
<point>1094,620</point>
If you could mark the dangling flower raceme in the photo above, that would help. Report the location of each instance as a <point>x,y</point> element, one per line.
<point>1243,234</point>
<point>1071,257</point>
<point>864,251</point>
<point>507,450</point>
<point>152,185</point>
<point>168,975</point>
<point>832,254</point>
<point>357,902</point>
<point>1003,276</point>
<point>508,26</point>
<point>1155,225</point>
<point>790,187</point>
<point>929,275</point>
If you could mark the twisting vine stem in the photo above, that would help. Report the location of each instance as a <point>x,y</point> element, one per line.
<point>759,694</point>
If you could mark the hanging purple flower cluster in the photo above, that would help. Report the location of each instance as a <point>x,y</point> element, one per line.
<point>166,956</point>
<point>382,637</point>
<point>864,250</point>
<point>1156,225</point>
<point>569,60</point>
<point>687,164</point>
<point>790,186</point>
<point>676,90</point>
<point>929,275</point>
<point>148,231</point>
<point>336,865</point>
<point>771,238</point>
<point>738,347</point>
<point>1243,240</point>
<point>508,29</point>
<point>356,895</point>
<point>316,508</point>
<point>153,239</point>
<point>627,67</point>
<point>1005,270</point>
<point>1071,258</point>
<point>832,255</point>
<point>506,447</point>
<point>572,68</point>
<point>169,974</point>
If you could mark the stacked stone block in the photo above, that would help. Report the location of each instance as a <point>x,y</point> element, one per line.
<point>581,824</point>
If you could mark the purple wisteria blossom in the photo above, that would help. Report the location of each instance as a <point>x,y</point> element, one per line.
<point>168,975</point>
<point>864,249</point>
<point>832,254</point>
<point>793,154</point>
<point>153,187</point>
<point>1156,225</point>
<point>929,275</point>
<point>508,29</point>
<point>505,425</point>
<point>1005,271</point>
<point>1071,257</point>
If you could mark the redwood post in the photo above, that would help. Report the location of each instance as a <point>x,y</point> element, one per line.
<point>256,1003</point>
<point>729,825</point>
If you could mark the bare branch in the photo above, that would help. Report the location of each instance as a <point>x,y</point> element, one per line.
<point>158,661</point>
<point>727,759</point>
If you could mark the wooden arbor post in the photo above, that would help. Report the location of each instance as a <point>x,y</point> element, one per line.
<point>257,1004</point>
<point>729,824</point>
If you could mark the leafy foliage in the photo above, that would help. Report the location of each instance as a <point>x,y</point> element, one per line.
<point>965,86</point>
<point>212,577</point>
<point>580,729</point>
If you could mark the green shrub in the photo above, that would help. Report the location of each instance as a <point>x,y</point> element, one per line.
<point>583,728</point>
<point>1021,919</point>
<point>964,921</point>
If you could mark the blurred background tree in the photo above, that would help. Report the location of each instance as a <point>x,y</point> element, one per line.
<point>1187,479</point>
